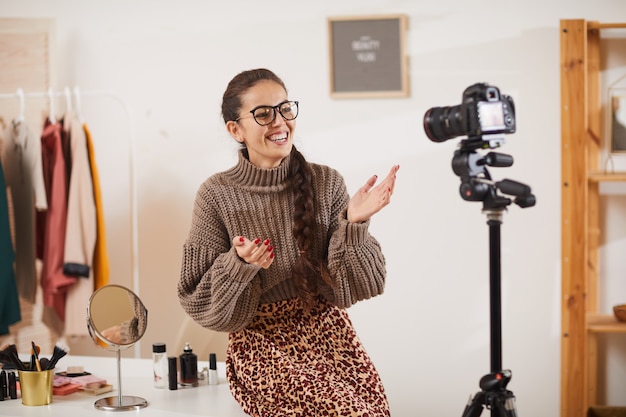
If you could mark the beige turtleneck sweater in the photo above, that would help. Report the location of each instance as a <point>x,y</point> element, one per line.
<point>222,292</point>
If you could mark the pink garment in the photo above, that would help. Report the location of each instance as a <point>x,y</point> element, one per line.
<point>53,281</point>
<point>80,236</point>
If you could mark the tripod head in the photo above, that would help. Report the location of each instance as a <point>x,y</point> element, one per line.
<point>484,116</point>
<point>476,181</point>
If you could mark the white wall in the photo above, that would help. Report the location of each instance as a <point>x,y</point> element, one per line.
<point>429,333</point>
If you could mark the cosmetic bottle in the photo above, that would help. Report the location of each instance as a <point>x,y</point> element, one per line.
<point>172,372</point>
<point>12,386</point>
<point>188,367</point>
<point>4,385</point>
<point>159,362</point>
<point>213,379</point>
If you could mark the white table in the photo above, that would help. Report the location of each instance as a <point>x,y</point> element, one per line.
<point>203,400</point>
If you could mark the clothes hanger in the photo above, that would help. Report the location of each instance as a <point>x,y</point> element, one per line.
<point>20,115</point>
<point>51,105</point>
<point>79,108</point>
<point>68,99</point>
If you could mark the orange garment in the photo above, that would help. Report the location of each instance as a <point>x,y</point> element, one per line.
<point>101,256</point>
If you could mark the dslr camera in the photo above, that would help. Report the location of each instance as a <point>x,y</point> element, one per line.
<point>484,115</point>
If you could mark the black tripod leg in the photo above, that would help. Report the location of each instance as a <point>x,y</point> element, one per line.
<point>474,407</point>
<point>509,405</point>
<point>505,406</point>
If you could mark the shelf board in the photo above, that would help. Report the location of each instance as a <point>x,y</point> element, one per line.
<point>604,323</point>
<point>597,25</point>
<point>607,177</point>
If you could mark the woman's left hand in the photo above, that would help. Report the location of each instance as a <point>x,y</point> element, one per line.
<point>370,199</point>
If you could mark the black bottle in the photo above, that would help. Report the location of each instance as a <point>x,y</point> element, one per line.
<point>188,367</point>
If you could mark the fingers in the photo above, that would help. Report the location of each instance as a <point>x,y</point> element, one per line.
<point>239,241</point>
<point>392,175</point>
<point>389,182</point>
<point>255,252</point>
<point>369,184</point>
<point>387,185</point>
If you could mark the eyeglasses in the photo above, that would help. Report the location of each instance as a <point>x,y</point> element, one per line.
<point>265,115</point>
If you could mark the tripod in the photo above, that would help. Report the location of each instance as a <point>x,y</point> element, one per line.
<point>493,394</point>
<point>476,185</point>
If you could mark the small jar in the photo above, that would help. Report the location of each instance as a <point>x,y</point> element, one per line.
<point>159,361</point>
<point>213,379</point>
<point>188,367</point>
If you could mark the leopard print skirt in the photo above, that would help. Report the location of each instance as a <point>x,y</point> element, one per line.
<point>289,362</point>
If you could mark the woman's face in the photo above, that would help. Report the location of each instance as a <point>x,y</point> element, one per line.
<point>267,145</point>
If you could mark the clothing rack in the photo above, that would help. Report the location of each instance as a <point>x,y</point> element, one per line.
<point>51,94</point>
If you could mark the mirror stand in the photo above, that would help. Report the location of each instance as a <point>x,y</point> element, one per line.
<point>116,320</point>
<point>120,402</point>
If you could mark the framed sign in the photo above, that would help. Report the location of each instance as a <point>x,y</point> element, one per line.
<point>367,57</point>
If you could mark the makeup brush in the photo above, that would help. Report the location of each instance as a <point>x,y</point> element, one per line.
<point>34,352</point>
<point>4,358</point>
<point>60,350</point>
<point>10,352</point>
<point>44,363</point>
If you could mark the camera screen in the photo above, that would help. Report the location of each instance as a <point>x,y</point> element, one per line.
<point>491,115</point>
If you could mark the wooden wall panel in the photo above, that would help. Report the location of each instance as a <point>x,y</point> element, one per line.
<point>26,51</point>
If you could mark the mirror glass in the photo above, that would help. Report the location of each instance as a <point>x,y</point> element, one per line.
<point>116,320</point>
<point>618,123</point>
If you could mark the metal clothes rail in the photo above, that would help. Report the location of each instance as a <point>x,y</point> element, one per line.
<point>78,95</point>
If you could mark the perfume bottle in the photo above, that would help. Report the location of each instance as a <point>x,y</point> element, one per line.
<point>188,367</point>
<point>159,359</point>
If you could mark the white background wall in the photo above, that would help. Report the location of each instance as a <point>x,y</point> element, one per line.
<point>169,62</point>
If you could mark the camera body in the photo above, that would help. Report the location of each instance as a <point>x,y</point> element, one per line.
<point>484,114</point>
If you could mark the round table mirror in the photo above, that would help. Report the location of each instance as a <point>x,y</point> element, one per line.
<point>116,320</point>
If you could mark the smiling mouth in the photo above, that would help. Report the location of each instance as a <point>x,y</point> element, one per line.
<point>281,137</point>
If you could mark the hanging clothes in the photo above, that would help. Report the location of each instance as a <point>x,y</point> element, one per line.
<point>51,228</point>
<point>80,236</point>
<point>101,266</point>
<point>9,300</point>
<point>24,177</point>
<point>66,146</point>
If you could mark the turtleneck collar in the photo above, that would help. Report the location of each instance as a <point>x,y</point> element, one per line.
<point>247,174</point>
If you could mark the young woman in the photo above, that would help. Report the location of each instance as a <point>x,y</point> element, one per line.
<point>276,252</point>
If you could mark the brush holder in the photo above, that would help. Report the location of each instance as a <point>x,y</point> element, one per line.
<point>36,387</point>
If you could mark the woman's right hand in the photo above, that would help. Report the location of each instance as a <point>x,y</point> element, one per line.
<point>254,252</point>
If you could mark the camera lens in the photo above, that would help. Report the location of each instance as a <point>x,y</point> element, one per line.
<point>443,123</point>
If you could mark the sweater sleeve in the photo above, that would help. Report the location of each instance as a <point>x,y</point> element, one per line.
<point>355,258</point>
<point>216,288</point>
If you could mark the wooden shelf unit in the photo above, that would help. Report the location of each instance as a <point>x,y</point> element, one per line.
<point>581,121</point>
<point>604,323</point>
<point>607,177</point>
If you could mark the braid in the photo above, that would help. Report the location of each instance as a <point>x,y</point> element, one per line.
<point>306,270</point>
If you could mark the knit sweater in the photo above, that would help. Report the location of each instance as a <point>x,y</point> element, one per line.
<point>222,292</point>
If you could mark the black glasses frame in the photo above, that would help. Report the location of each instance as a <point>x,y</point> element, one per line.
<point>276,108</point>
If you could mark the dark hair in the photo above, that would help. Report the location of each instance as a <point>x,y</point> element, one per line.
<point>307,270</point>
<point>237,87</point>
